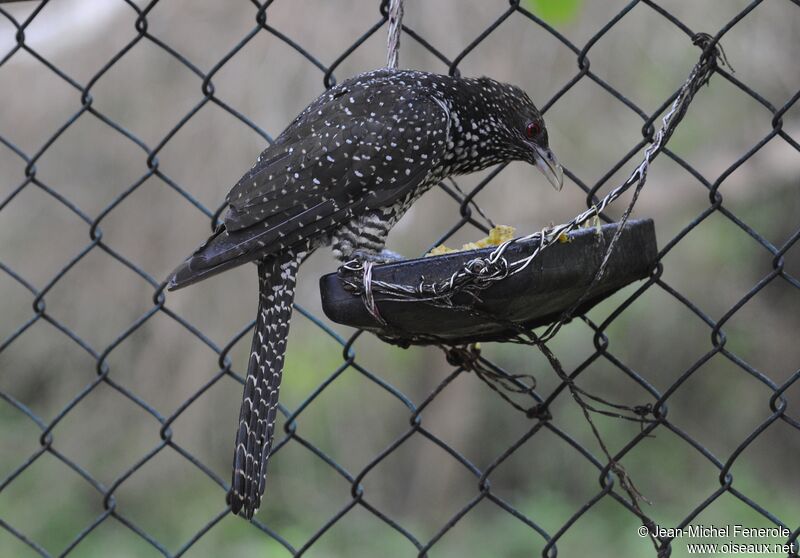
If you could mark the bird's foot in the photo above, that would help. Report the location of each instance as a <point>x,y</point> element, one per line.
<point>382,257</point>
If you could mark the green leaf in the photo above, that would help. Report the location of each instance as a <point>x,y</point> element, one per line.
<point>555,12</point>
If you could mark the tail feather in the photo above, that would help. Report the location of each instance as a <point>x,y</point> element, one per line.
<point>277,277</point>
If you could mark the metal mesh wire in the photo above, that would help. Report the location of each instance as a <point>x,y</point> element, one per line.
<point>544,539</point>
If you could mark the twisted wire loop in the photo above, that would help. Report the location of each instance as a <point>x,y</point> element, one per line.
<point>469,358</point>
<point>479,273</point>
<point>395,27</point>
<point>369,298</point>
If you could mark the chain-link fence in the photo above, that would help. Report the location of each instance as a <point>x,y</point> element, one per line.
<point>119,402</point>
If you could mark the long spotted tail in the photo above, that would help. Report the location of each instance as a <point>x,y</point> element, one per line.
<point>276,279</point>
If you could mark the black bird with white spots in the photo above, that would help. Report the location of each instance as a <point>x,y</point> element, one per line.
<point>342,174</point>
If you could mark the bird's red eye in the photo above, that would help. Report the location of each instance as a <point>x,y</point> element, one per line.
<point>533,130</point>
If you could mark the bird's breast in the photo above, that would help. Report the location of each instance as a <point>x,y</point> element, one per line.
<point>368,232</point>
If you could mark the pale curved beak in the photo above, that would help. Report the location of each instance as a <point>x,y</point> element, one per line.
<point>548,164</point>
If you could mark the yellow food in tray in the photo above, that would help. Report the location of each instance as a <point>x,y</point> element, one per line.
<point>497,236</point>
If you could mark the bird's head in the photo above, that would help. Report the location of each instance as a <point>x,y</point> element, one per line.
<point>501,123</point>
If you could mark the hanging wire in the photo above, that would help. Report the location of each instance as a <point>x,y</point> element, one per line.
<point>395,27</point>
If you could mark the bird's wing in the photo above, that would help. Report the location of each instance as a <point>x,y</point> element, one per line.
<point>352,150</point>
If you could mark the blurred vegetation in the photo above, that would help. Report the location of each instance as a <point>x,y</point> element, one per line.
<point>555,11</point>
<point>352,420</point>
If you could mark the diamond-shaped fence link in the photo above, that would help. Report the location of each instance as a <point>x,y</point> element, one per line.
<point>449,474</point>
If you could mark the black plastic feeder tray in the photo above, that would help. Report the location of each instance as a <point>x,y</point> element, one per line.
<point>534,297</point>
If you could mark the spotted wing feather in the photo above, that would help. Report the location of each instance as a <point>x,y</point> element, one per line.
<point>354,149</point>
